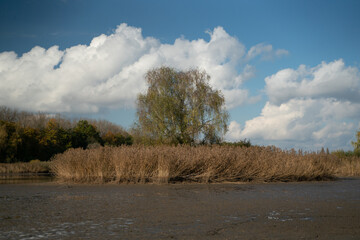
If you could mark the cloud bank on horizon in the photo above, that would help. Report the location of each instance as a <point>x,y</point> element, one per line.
<point>308,106</point>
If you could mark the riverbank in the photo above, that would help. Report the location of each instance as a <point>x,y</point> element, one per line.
<point>301,210</point>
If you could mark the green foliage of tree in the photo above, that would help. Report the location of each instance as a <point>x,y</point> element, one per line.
<point>343,154</point>
<point>26,136</point>
<point>54,139</point>
<point>18,143</point>
<point>85,134</point>
<point>240,143</point>
<point>356,144</point>
<point>180,108</point>
<point>10,141</point>
<point>111,139</point>
<point>30,146</point>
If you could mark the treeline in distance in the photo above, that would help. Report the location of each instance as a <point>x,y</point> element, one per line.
<point>26,136</point>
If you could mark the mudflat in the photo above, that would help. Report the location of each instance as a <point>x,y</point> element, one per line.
<point>305,210</point>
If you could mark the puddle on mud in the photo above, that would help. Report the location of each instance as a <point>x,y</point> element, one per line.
<point>289,216</point>
<point>243,219</point>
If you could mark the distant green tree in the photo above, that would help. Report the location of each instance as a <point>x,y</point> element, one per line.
<point>356,144</point>
<point>30,145</point>
<point>181,108</point>
<point>84,134</point>
<point>240,143</point>
<point>26,136</point>
<point>117,139</point>
<point>54,139</point>
<point>10,141</point>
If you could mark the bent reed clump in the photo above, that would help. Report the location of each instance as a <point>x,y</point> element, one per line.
<point>204,164</point>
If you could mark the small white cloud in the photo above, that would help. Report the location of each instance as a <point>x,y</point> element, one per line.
<point>281,52</point>
<point>259,49</point>
<point>266,52</point>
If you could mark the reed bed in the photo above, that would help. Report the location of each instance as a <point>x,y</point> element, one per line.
<point>348,167</point>
<point>204,164</point>
<point>33,167</point>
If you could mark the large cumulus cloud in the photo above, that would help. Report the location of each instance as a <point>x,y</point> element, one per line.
<point>307,108</point>
<point>109,72</point>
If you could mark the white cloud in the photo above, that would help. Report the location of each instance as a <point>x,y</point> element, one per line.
<point>327,80</point>
<point>234,132</point>
<point>301,123</point>
<point>281,52</point>
<point>299,119</point>
<point>308,108</point>
<point>266,52</point>
<point>109,72</point>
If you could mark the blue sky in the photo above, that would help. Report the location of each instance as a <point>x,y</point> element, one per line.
<point>288,69</point>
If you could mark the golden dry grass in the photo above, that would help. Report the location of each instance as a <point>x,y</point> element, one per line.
<point>348,166</point>
<point>164,164</point>
<point>34,166</point>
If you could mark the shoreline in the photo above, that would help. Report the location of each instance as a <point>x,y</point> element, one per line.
<point>50,179</point>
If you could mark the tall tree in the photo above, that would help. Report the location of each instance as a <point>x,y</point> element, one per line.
<point>181,107</point>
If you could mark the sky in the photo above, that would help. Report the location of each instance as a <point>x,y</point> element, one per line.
<point>289,70</point>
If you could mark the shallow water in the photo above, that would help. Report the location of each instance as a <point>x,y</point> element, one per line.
<point>26,178</point>
<point>309,210</point>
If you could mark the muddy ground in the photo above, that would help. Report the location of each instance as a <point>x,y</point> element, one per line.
<point>311,210</point>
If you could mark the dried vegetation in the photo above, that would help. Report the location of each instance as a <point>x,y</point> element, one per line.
<point>33,167</point>
<point>205,164</point>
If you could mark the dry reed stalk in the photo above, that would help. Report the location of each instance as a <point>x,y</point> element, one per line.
<point>163,164</point>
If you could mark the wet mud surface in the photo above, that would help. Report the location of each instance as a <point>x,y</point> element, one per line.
<point>311,210</point>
